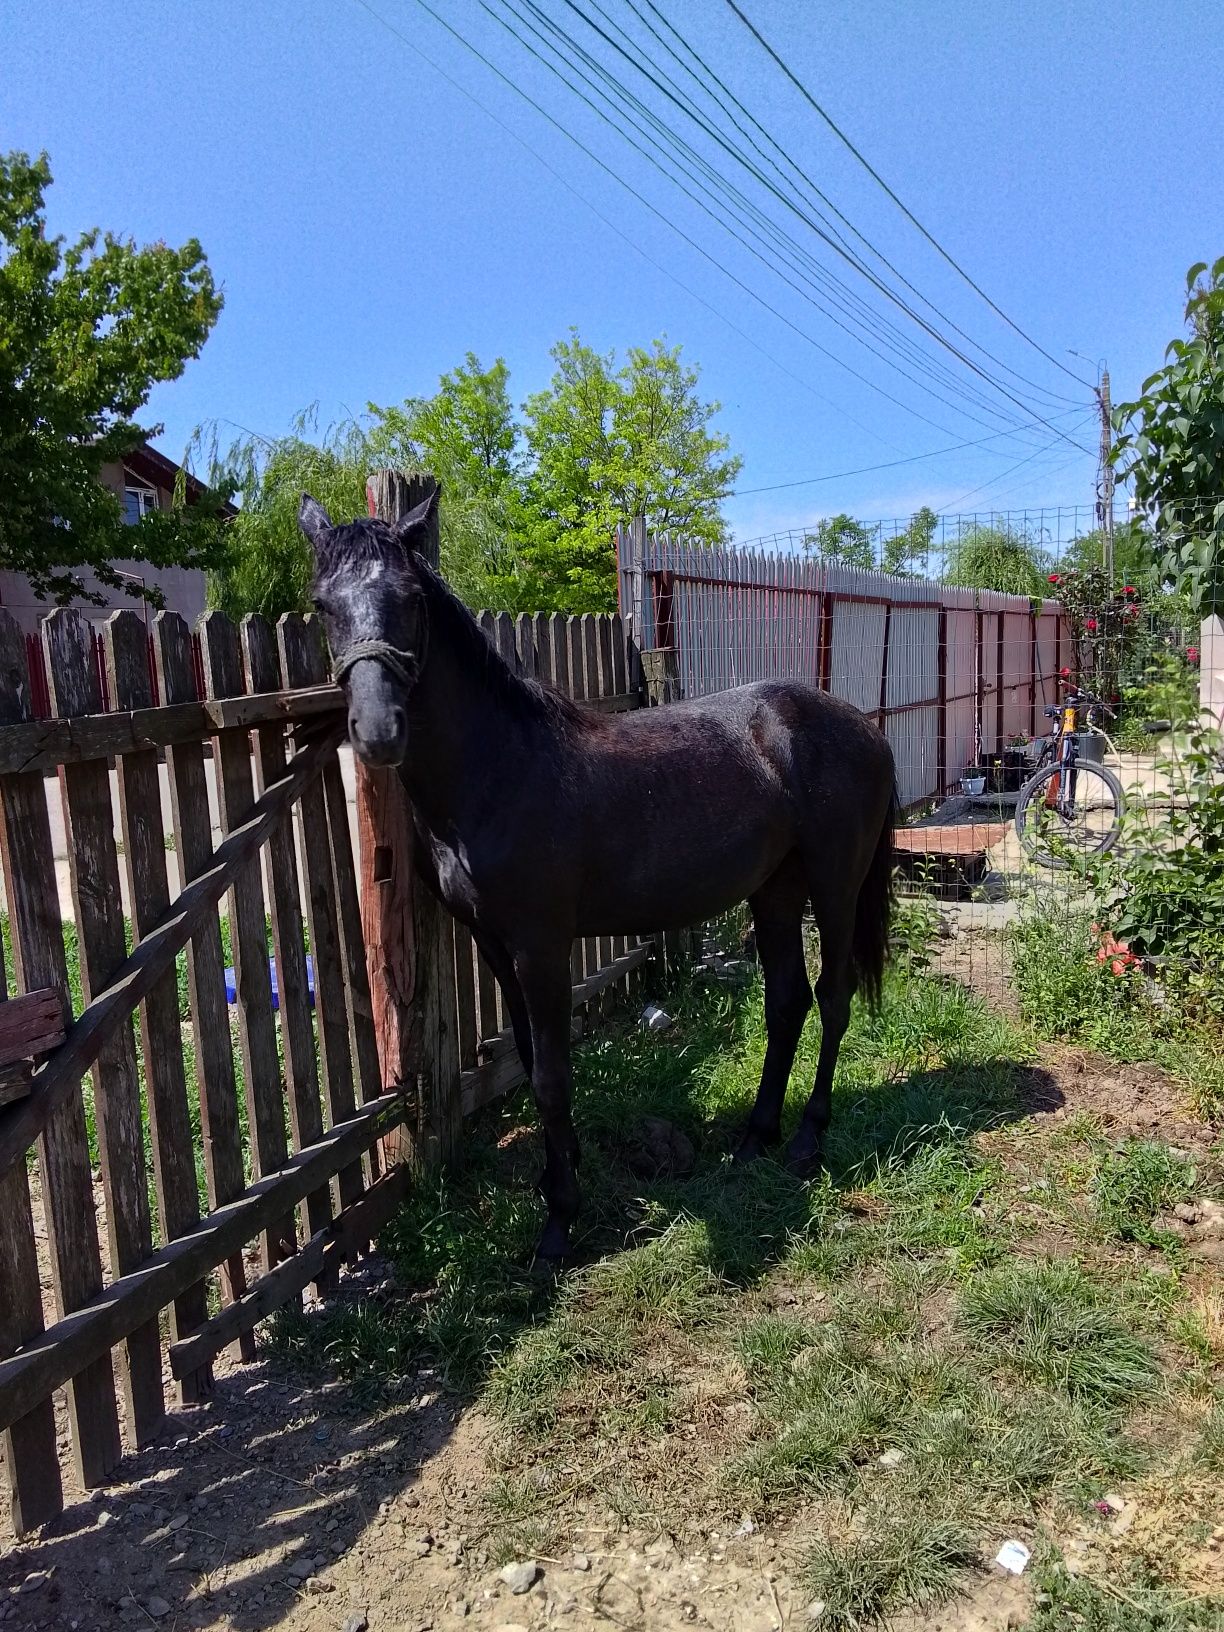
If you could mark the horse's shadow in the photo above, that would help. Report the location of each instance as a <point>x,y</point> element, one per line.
<point>752,1214</point>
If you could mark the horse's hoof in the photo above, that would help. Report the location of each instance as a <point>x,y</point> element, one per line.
<point>750,1149</point>
<point>553,1250</point>
<point>804,1164</point>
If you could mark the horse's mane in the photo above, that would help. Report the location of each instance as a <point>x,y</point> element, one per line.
<point>365,543</point>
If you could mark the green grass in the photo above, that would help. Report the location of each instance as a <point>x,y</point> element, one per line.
<point>736,1339</point>
<point>1135,1603</point>
<point>1068,995</point>
<point>1056,1326</point>
<point>1137,1181</point>
<point>900,1562</point>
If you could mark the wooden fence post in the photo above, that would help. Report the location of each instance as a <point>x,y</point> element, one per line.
<point>410,941</point>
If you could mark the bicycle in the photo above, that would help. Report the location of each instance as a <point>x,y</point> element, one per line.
<point>1071,807</point>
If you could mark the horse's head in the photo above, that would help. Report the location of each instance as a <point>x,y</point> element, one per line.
<point>368,589</point>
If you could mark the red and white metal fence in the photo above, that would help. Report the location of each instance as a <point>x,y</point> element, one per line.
<point>949,673</point>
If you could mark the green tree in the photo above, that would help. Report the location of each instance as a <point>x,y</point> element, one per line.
<point>999,558</point>
<point>267,565</point>
<point>607,444</point>
<point>911,544</point>
<point>1135,552</point>
<point>1171,445</point>
<point>529,510</point>
<point>842,539</point>
<point>466,434</point>
<point>86,330</point>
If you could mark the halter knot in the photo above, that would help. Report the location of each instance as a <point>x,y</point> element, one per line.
<point>403,665</point>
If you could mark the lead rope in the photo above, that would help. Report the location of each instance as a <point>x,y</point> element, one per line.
<point>404,665</point>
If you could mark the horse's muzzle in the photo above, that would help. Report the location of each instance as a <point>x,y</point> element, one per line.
<point>381,742</point>
<point>377,719</point>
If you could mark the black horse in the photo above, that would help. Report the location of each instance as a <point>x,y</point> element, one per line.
<point>539,820</point>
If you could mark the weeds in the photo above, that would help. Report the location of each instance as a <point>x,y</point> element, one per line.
<point>898,1562</point>
<point>1057,1328</point>
<point>1137,1181</point>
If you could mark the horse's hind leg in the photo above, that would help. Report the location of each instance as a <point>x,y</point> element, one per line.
<point>777,911</point>
<point>544,979</point>
<point>834,993</point>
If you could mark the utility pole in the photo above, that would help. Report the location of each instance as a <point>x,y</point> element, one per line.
<point>1105,485</point>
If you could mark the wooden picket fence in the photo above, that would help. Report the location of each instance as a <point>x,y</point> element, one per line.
<point>278,1140</point>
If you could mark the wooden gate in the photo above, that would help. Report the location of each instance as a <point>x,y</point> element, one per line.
<point>197,951</point>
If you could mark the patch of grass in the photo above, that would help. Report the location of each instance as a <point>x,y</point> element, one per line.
<point>1135,1182</point>
<point>1133,1603</point>
<point>878,1343</point>
<point>902,1561</point>
<point>1065,992</point>
<point>1055,1326</point>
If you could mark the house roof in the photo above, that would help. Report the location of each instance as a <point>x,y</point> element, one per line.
<point>153,467</point>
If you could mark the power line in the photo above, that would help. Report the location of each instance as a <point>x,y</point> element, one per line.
<point>611,225</point>
<point>1002,476</point>
<point>660,215</point>
<point>834,288</point>
<point>905,210</point>
<point>739,205</point>
<point>727,95</point>
<point>858,265</point>
<point>666,271</point>
<point>891,464</point>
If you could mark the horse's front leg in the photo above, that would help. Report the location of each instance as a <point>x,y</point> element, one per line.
<point>544,979</point>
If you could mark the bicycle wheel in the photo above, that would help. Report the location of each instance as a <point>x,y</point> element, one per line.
<point>1069,812</point>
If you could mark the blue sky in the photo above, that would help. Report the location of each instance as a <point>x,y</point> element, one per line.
<point>371,223</point>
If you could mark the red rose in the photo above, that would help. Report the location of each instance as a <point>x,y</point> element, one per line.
<point>1192,654</point>
<point>1090,623</point>
<point>1130,590</point>
<point>1054,578</point>
<point>1064,674</point>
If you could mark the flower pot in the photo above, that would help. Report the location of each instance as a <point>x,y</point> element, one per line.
<point>974,786</point>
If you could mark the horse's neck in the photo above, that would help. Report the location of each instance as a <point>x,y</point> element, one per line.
<point>464,737</point>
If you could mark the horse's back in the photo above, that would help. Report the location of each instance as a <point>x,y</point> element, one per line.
<point>795,727</point>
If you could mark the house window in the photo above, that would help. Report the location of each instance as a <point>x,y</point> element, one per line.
<point>137,502</point>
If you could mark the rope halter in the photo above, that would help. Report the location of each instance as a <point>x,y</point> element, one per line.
<point>405,666</point>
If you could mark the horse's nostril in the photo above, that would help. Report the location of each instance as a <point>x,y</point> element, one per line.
<point>398,724</point>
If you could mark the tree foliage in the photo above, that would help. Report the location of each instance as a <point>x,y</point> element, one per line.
<point>605,444</point>
<point>1136,554</point>
<point>466,434</point>
<point>1171,445</point>
<point>911,545</point>
<point>531,502</point>
<point>86,330</point>
<point>854,543</point>
<point>267,565</point>
<point>1001,558</point>
<point>842,539</point>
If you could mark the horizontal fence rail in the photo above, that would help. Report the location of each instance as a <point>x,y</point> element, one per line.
<point>948,673</point>
<point>194,1125</point>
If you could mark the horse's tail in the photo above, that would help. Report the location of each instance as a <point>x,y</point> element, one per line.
<point>874,910</point>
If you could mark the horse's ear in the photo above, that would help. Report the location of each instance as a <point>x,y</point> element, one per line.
<point>409,527</point>
<point>313,520</point>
